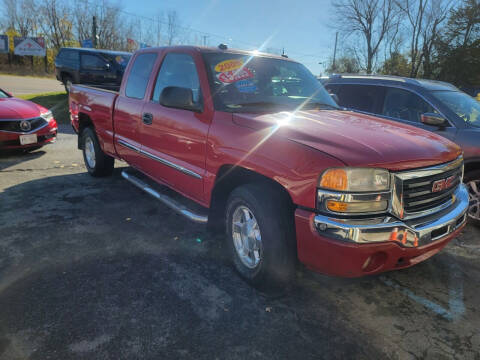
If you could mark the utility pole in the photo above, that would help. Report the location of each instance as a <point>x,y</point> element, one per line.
<point>205,40</point>
<point>94,32</point>
<point>335,52</point>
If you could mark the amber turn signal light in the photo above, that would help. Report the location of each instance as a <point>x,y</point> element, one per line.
<point>335,179</point>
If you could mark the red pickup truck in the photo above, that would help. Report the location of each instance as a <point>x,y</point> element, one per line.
<point>253,143</point>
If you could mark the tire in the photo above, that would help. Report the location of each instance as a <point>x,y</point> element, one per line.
<point>67,82</point>
<point>272,261</point>
<point>472,180</point>
<point>97,162</point>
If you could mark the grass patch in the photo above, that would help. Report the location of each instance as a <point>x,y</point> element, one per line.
<point>57,102</point>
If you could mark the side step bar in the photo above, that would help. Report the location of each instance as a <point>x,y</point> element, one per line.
<point>171,203</point>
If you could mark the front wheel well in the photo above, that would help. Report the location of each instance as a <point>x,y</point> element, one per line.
<point>228,178</point>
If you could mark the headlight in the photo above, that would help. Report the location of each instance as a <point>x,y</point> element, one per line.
<point>47,116</point>
<point>355,180</point>
<point>354,191</point>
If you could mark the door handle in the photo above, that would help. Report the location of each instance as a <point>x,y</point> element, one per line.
<point>147,118</point>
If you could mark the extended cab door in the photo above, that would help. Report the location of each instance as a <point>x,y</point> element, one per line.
<point>174,140</point>
<point>129,106</point>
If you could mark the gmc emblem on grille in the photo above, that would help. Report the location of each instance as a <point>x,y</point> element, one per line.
<point>443,184</point>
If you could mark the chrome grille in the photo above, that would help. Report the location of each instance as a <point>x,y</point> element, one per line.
<point>418,193</point>
<point>14,125</point>
<point>414,194</point>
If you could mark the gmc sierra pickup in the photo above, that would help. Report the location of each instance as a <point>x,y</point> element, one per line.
<point>254,144</point>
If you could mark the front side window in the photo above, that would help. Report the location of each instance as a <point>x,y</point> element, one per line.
<point>364,98</point>
<point>139,75</point>
<point>92,62</point>
<point>243,83</point>
<point>3,94</point>
<point>178,70</point>
<point>405,105</point>
<point>463,105</point>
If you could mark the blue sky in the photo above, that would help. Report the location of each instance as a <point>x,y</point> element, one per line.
<point>303,27</point>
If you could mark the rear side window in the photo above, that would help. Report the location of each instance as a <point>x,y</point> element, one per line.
<point>92,62</point>
<point>139,75</point>
<point>404,105</point>
<point>68,55</point>
<point>365,98</point>
<point>177,70</point>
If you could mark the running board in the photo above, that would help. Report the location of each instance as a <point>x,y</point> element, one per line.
<point>167,200</point>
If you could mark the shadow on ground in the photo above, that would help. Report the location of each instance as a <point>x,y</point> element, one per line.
<point>99,270</point>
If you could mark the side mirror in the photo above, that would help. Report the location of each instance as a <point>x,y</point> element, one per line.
<point>179,98</point>
<point>106,66</point>
<point>433,119</point>
<point>335,98</point>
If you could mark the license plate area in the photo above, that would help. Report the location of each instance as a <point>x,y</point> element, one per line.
<point>28,139</point>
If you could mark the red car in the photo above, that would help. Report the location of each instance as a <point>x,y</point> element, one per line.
<point>24,124</point>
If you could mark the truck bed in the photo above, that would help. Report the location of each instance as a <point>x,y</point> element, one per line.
<point>98,104</point>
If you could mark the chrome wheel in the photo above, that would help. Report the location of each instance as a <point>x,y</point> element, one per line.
<point>474,196</point>
<point>247,238</point>
<point>90,152</point>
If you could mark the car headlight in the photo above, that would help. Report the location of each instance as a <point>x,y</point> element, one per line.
<point>355,179</point>
<point>354,191</point>
<point>47,116</point>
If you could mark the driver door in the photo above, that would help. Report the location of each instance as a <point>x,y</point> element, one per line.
<point>174,140</point>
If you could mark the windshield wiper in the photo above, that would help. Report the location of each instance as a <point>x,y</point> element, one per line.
<point>318,104</point>
<point>261,103</point>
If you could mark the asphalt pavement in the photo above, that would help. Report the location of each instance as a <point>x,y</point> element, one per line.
<point>21,85</point>
<point>95,269</point>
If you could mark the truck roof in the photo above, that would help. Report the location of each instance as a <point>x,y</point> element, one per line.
<point>211,49</point>
<point>103,51</point>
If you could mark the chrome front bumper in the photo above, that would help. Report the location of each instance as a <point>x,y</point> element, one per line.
<point>409,233</point>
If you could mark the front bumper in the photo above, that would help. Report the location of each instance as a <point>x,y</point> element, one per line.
<point>352,248</point>
<point>45,135</point>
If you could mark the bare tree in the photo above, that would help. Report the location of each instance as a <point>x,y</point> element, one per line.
<point>424,18</point>
<point>21,16</point>
<point>172,26</point>
<point>57,22</point>
<point>436,14</point>
<point>370,19</point>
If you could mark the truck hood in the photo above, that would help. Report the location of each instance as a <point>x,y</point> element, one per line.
<point>357,139</point>
<point>13,108</point>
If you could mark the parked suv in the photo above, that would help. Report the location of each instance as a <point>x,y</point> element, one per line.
<point>432,105</point>
<point>100,68</point>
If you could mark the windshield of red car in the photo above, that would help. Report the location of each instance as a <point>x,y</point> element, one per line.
<point>465,106</point>
<point>243,83</point>
<point>3,94</point>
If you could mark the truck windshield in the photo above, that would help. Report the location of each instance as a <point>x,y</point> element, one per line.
<point>466,107</point>
<point>243,83</point>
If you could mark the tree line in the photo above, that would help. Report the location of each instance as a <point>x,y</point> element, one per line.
<point>434,39</point>
<point>65,23</point>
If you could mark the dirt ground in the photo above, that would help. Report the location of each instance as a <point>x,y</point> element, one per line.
<point>95,269</point>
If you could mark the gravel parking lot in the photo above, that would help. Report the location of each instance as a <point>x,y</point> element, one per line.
<point>95,269</point>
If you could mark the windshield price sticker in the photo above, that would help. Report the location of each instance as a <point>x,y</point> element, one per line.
<point>246,86</point>
<point>229,77</point>
<point>229,65</point>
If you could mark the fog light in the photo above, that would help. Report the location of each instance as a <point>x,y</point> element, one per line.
<point>357,207</point>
